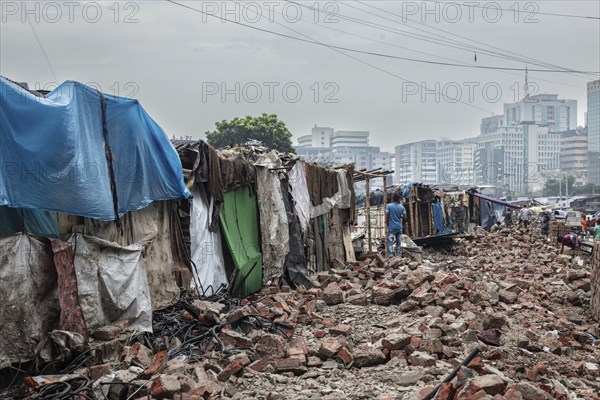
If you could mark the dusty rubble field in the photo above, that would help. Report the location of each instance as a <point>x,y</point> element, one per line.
<point>377,329</point>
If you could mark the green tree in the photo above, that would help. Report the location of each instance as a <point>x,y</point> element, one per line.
<point>267,128</point>
<point>552,187</point>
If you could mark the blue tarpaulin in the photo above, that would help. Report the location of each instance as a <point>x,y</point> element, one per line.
<point>494,200</point>
<point>53,153</point>
<point>36,222</point>
<point>438,219</point>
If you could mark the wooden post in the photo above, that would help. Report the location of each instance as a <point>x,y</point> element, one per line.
<point>413,213</point>
<point>431,230</point>
<point>368,212</point>
<point>385,201</point>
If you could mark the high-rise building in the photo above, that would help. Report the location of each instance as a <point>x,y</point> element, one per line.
<point>574,153</point>
<point>455,161</point>
<point>593,129</point>
<point>325,137</point>
<point>514,157</point>
<point>330,147</point>
<point>544,110</point>
<point>491,124</point>
<point>416,162</point>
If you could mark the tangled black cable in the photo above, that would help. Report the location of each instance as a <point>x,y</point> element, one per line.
<point>67,389</point>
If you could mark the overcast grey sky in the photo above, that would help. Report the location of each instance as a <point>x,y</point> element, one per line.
<point>187,68</point>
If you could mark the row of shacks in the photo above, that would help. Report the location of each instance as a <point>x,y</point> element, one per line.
<point>433,213</point>
<point>104,220</point>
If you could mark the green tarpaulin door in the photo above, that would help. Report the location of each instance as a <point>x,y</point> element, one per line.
<point>239,221</point>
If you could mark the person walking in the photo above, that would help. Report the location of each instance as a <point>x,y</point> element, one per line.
<point>508,217</point>
<point>395,213</point>
<point>525,216</point>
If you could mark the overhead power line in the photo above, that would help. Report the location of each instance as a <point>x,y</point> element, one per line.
<point>376,54</point>
<point>378,68</point>
<point>440,40</point>
<point>444,40</point>
<point>523,11</point>
<point>39,42</point>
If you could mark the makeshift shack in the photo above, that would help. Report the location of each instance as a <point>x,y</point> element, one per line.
<point>88,189</point>
<point>281,218</point>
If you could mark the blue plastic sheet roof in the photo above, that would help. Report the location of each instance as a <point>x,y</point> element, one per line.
<point>494,200</point>
<point>53,155</point>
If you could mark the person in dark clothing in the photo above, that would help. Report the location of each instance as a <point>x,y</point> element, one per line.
<point>545,223</point>
<point>508,217</point>
<point>395,214</point>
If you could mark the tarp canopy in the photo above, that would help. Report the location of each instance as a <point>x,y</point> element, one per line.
<point>495,201</point>
<point>239,222</point>
<point>54,155</point>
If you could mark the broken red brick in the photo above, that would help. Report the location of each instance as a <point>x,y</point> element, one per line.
<point>159,363</point>
<point>341,329</point>
<point>232,368</point>
<point>330,348</point>
<point>164,387</point>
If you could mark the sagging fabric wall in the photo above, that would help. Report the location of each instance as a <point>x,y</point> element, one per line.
<point>29,305</point>
<point>112,283</point>
<point>206,247</point>
<point>156,229</point>
<point>274,226</point>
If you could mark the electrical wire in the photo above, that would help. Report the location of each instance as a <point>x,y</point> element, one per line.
<point>383,70</point>
<point>39,42</point>
<point>474,4</point>
<point>404,18</point>
<point>326,26</point>
<point>314,42</point>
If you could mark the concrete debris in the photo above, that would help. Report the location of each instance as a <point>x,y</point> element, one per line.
<point>385,329</point>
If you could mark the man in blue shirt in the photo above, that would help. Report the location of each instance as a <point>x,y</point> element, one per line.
<point>394,213</point>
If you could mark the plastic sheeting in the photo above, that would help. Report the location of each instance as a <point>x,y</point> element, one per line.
<point>239,222</point>
<point>488,217</point>
<point>341,198</point>
<point>54,155</point>
<point>28,296</point>
<point>155,228</point>
<point>438,219</point>
<point>207,252</point>
<point>295,272</point>
<point>36,222</point>
<point>274,229</point>
<point>112,283</point>
<point>297,179</point>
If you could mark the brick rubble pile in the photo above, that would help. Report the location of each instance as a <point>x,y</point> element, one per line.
<point>379,329</point>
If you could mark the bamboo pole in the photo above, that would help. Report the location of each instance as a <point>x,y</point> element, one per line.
<point>385,201</point>
<point>413,213</point>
